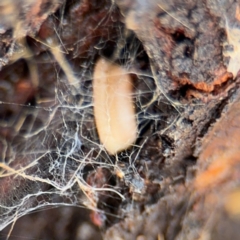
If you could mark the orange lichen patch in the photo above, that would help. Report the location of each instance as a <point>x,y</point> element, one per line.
<point>221,150</point>
<point>222,79</point>
<point>205,87</point>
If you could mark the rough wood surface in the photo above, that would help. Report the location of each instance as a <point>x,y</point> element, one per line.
<point>181,178</point>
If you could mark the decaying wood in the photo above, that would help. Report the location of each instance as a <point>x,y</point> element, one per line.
<point>181,178</point>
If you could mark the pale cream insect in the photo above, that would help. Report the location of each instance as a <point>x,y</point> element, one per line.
<point>114,110</point>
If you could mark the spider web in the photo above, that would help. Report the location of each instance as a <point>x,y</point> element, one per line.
<point>50,151</point>
<point>49,142</point>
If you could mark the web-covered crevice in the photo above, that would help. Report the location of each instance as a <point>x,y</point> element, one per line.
<point>50,152</point>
